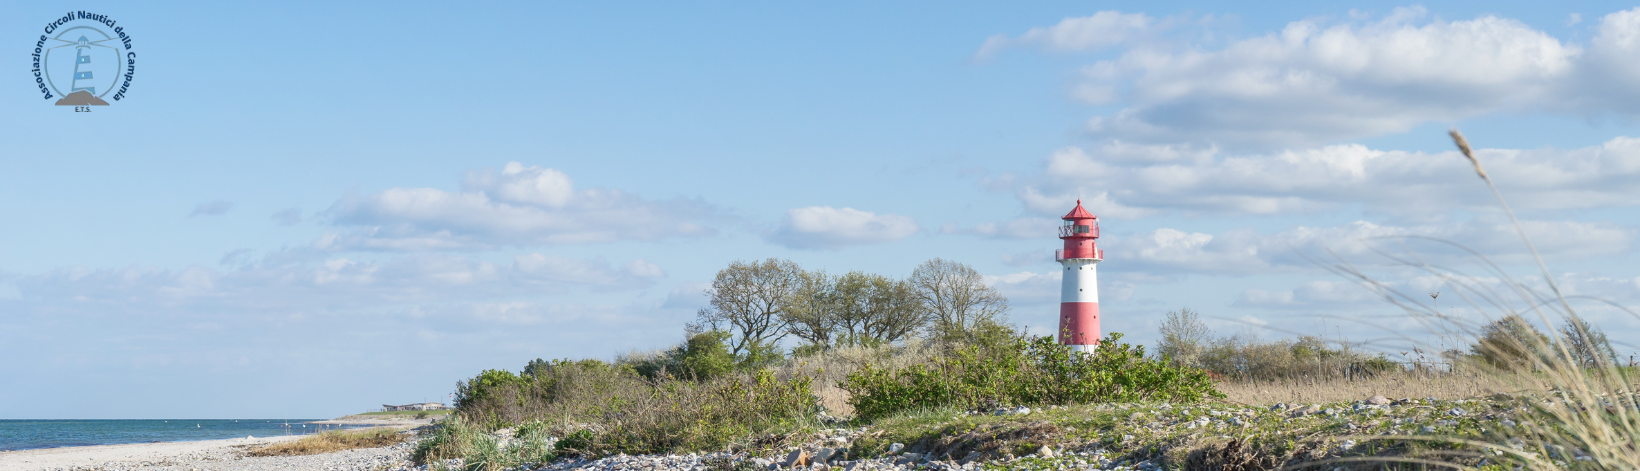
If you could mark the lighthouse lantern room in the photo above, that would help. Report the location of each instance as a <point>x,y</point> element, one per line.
<point>1079,293</point>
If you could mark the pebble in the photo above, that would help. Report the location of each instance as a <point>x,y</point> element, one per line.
<point>389,458</point>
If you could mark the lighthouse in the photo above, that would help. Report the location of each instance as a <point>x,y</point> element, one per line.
<point>1079,293</point>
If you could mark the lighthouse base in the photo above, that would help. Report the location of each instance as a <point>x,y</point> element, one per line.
<point>1079,325</point>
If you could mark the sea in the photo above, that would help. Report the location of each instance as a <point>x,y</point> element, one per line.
<point>32,434</point>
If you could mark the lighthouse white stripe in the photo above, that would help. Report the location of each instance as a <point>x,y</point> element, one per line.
<point>1081,282</point>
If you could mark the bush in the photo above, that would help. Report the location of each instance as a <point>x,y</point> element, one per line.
<point>705,356</point>
<point>1026,371</point>
<point>624,412</point>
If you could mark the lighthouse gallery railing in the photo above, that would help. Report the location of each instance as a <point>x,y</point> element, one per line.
<point>1059,254</point>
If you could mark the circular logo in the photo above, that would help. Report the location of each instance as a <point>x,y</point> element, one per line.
<point>84,59</point>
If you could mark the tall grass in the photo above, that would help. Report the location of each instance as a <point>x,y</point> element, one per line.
<point>1575,412</point>
<point>1398,383</point>
<point>528,445</point>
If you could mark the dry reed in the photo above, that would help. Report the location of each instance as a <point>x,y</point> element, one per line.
<point>830,367</point>
<point>1394,384</point>
<point>328,442</point>
<point>1574,415</point>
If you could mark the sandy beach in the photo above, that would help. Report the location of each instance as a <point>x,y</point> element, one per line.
<point>128,455</point>
<point>228,454</point>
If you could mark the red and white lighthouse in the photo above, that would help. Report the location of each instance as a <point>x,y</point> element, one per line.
<point>1079,295</point>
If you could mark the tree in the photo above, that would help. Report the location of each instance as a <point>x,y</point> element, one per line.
<point>1509,342</point>
<point>1586,343</point>
<point>748,301</point>
<point>812,311</point>
<point>874,310</point>
<point>1184,337</point>
<point>537,367</point>
<point>956,299</point>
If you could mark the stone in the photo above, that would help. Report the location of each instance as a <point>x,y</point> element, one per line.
<point>895,448</point>
<point>1313,408</point>
<point>1378,400</point>
<point>824,455</point>
<point>797,458</point>
<point>1044,452</point>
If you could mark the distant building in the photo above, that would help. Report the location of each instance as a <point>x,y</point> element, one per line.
<point>418,406</point>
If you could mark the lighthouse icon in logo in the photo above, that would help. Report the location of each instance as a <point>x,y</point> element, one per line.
<point>80,68</point>
<point>1079,295</point>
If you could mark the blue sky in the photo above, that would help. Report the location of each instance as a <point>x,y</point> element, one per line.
<point>310,209</point>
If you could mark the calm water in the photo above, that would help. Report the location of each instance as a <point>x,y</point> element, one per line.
<point>27,434</point>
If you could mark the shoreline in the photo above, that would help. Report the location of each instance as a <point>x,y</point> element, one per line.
<point>157,452</point>
<point>222,453</point>
<point>349,420</point>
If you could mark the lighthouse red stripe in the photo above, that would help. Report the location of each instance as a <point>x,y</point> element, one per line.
<point>1079,323</point>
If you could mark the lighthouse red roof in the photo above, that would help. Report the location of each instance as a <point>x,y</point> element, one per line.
<point>1079,212</point>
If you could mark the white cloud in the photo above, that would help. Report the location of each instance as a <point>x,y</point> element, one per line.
<point>1244,252</point>
<point>1320,81</point>
<point>825,227</point>
<point>214,208</point>
<point>1019,228</point>
<point>288,217</point>
<point>334,283</point>
<point>517,184</point>
<point>1027,287</point>
<point>1101,30</point>
<point>547,269</point>
<point>1605,80</point>
<point>521,206</point>
<point>687,296</point>
<point>1254,321</point>
<point>1138,180</point>
<point>1028,258</point>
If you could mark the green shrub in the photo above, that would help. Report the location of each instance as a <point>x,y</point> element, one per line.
<point>630,413</point>
<point>1026,371</point>
<point>486,397</point>
<point>705,356</point>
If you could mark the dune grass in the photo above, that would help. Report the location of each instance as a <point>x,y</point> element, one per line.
<point>328,442</point>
